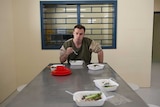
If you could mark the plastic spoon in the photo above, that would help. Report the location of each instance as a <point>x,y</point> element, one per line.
<point>75,52</point>
<point>69,92</point>
<point>109,97</point>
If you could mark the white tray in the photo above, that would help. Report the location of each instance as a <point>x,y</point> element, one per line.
<point>100,84</point>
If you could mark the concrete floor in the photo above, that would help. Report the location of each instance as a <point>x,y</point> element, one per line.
<point>152,95</point>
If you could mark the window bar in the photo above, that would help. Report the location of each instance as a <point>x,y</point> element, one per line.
<point>78,14</point>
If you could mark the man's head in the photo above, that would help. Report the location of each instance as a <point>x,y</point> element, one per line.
<point>78,33</point>
<point>80,27</point>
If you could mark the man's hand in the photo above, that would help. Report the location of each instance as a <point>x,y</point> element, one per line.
<point>65,54</point>
<point>69,50</point>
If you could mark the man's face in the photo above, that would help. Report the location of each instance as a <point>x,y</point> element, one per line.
<point>78,35</point>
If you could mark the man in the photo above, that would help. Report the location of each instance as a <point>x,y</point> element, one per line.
<point>80,47</point>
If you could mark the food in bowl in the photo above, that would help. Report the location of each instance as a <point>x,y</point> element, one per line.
<point>89,98</point>
<point>95,66</point>
<point>92,97</point>
<point>106,84</point>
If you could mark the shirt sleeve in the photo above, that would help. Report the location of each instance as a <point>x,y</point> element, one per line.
<point>95,47</point>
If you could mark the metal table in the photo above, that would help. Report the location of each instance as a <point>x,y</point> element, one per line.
<point>46,90</point>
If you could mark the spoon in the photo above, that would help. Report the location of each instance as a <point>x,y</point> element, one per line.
<point>69,92</point>
<point>75,52</point>
<point>109,97</point>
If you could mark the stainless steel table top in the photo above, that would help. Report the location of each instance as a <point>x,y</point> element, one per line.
<point>46,90</point>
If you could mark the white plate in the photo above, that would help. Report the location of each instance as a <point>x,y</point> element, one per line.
<point>52,67</point>
<point>100,84</point>
<point>95,66</point>
<point>76,62</point>
<point>77,97</point>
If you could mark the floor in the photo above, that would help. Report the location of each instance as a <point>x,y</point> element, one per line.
<point>152,95</point>
<point>149,95</point>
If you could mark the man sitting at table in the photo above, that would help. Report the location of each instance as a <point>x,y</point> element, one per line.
<point>80,47</point>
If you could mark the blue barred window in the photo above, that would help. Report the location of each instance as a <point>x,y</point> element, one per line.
<point>58,19</point>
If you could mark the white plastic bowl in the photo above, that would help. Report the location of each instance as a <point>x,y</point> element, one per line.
<point>100,84</point>
<point>95,66</point>
<point>76,62</point>
<point>77,97</point>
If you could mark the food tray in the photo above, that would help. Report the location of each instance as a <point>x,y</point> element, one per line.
<point>77,97</point>
<point>95,66</point>
<point>101,84</point>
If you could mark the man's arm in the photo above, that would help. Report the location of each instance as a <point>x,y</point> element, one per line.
<point>96,47</point>
<point>65,53</point>
<point>100,56</point>
<point>63,57</point>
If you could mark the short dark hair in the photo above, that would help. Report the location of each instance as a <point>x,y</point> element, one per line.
<point>80,27</point>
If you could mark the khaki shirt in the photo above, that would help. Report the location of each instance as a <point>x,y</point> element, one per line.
<point>84,52</point>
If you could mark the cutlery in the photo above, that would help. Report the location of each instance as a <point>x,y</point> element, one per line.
<point>109,97</point>
<point>75,52</point>
<point>69,92</point>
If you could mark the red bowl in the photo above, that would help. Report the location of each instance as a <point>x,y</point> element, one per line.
<point>61,71</point>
